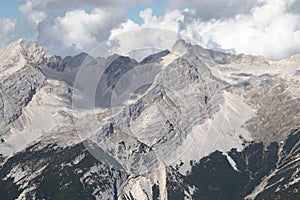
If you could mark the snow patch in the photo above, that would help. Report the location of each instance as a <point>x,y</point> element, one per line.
<point>232,162</point>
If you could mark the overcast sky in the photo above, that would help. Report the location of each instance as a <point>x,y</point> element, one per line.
<point>261,27</point>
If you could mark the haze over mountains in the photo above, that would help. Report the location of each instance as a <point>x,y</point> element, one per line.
<point>185,123</point>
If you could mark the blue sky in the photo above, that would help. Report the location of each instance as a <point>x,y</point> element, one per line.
<point>9,8</point>
<point>158,9</point>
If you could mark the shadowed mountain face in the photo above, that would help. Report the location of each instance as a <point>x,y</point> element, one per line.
<point>188,123</point>
<point>116,67</point>
<point>113,69</point>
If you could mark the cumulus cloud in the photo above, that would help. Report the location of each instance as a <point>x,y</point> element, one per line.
<point>269,29</point>
<point>169,21</point>
<point>78,30</point>
<point>7,30</point>
<point>65,27</point>
<point>156,33</point>
<point>30,9</point>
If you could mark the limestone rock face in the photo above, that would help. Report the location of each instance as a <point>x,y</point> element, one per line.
<point>183,95</point>
<point>19,80</point>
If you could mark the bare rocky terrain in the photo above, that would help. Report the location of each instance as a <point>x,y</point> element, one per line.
<point>186,123</point>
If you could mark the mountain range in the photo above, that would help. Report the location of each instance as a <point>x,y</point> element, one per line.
<point>184,123</point>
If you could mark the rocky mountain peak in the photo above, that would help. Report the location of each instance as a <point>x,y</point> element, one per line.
<point>27,48</point>
<point>180,47</point>
<point>20,53</point>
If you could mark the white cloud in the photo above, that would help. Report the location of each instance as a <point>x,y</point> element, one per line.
<point>78,30</point>
<point>34,15</point>
<point>65,27</point>
<point>169,21</point>
<point>269,29</point>
<point>154,34</point>
<point>7,30</point>
<point>84,29</point>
